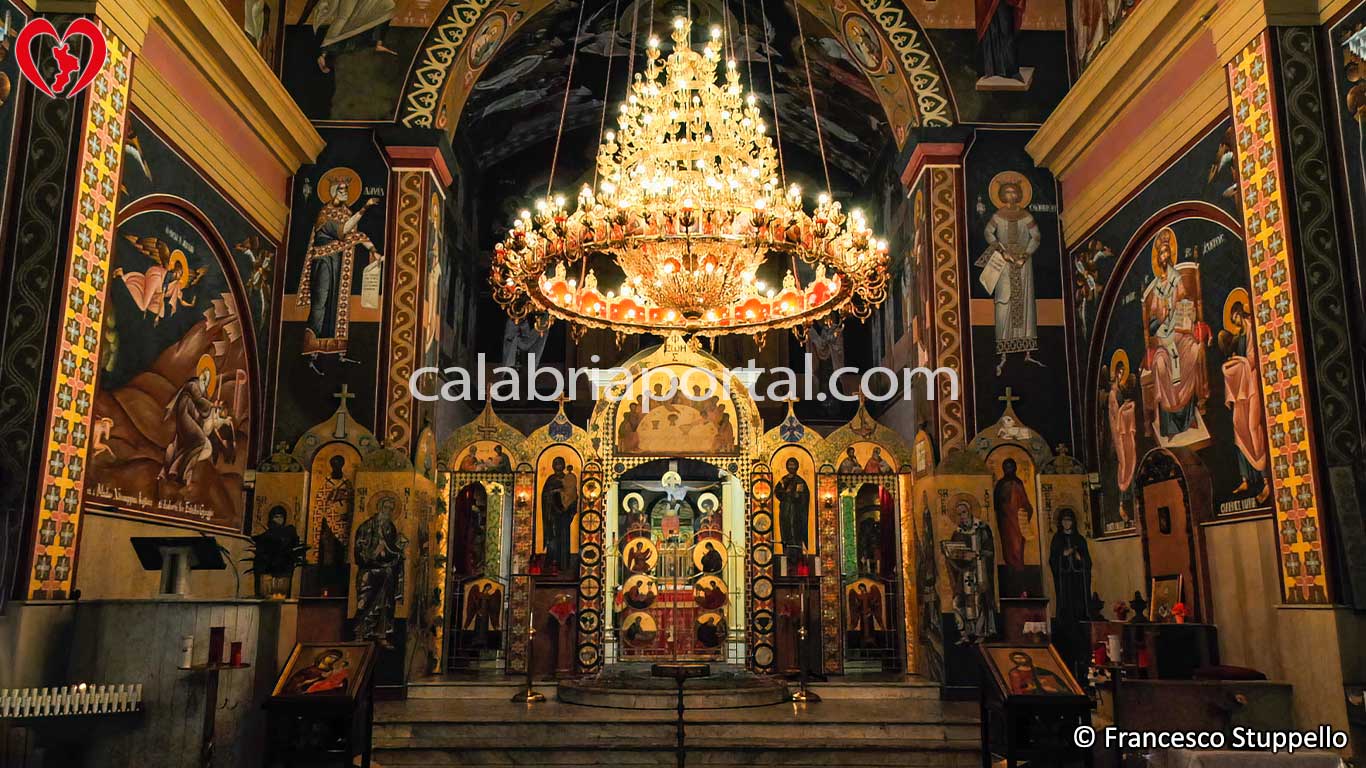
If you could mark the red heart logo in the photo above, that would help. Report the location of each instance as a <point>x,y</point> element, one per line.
<point>68,65</point>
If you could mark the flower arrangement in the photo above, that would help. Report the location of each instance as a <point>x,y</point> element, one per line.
<point>1121,610</point>
<point>1179,613</point>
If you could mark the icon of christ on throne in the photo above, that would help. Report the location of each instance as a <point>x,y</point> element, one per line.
<point>1175,378</point>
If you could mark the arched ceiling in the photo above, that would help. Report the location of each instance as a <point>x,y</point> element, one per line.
<point>879,39</point>
<point>516,103</point>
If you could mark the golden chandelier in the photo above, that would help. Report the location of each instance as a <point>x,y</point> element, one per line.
<point>689,206</point>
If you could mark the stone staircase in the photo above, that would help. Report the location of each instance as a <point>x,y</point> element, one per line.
<point>857,724</point>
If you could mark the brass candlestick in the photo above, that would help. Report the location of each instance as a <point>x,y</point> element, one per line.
<point>530,695</point>
<point>803,695</point>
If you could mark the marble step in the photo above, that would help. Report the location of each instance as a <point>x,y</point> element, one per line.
<point>840,690</point>
<point>493,689</point>
<point>834,689</point>
<point>957,756</point>
<point>918,733</point>
<point>658,735</point>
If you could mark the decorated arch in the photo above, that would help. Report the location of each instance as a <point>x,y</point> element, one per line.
<point>881,36</point>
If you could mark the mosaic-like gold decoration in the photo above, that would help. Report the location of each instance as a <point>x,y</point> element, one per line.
<point>948,337</point>
<point>403,315</point>
<point>1277,311</point>
<point>78,347</point>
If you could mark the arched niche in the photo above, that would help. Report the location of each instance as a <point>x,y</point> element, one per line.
<point>1173,499</point>
<point>1013,454</point>
<point>332,451</point>
<point>709,414</point>
<point>1172,363</point>
<point>174,420</point>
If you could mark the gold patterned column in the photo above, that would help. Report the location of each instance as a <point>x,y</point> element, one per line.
<point>1294,466</point>
<point>592,570</point>
<point>828,542</point>
<point>76,359</point>
<point>910,600</point>
<point>762,619</point>
<point>948,303</point>
<point>419,177</point>
<point>401,320</point>
<point>519,592</point>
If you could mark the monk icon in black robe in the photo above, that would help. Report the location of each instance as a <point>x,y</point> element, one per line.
<point>1069,560</point>
<point>794,510</point>
<point>378,555</point>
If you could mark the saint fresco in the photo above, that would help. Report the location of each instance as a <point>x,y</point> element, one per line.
<point>329,266</point>
<point>694,412</point>
<point>172,418</point>
<point>378,555</point>
<point>1007,266</point>
<point>1181,372</point>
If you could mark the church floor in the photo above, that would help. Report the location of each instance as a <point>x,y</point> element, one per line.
<point>855,725</point>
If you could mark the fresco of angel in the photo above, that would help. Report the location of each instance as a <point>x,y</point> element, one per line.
<point>162,289</point>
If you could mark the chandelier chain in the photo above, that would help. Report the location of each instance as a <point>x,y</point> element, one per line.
<point>811,90</point>
<point>607,81</point>
<point>564,107</point>
<point>772,93</point>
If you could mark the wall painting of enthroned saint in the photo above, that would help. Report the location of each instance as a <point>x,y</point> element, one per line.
<point>1177,339</point>
<point>329,266</point>
<point>1179,368</point>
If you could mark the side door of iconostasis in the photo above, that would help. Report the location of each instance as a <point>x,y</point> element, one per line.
<point>479,557</point>
<point>798,539</point>
<point>871,589</point>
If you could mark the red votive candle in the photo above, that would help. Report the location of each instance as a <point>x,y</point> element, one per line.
<point>236,654</point>
<point>216,645</point>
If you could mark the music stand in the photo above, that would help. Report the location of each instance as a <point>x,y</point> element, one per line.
<point>175,557</point>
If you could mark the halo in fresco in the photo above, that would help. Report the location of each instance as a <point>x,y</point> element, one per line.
<point>1011,177</point>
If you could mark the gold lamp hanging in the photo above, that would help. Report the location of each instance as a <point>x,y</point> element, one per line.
<point>689,206</point>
